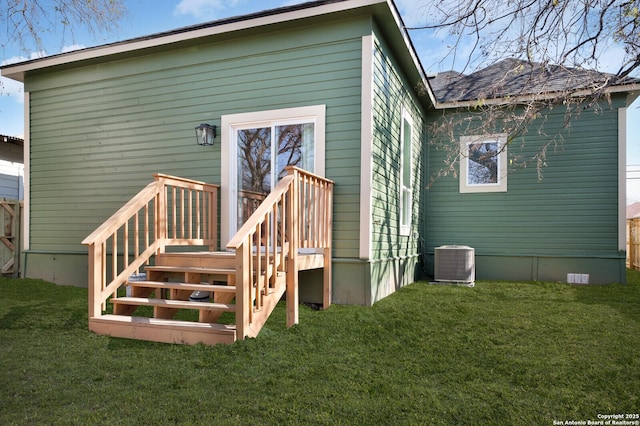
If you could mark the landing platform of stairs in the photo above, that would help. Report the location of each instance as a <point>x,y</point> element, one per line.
<point>308,258</point>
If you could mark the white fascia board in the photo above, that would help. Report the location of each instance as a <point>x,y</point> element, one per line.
<point>412,52</point>
<point>17,71</point>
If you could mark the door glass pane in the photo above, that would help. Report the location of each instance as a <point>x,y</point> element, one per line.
<point>263,154</point>
<point>295,147</point>
<point>254,170</point>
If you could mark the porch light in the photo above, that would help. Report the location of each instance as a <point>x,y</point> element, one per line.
<point>205,134</point>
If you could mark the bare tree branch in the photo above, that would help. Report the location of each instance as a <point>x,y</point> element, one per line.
<point>529,56</point>
<point>27,20</point>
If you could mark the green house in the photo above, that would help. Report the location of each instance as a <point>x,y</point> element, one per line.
<point>332,87</point>
<point>554,207</point>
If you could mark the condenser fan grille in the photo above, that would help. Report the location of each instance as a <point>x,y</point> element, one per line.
<point>455,264</point>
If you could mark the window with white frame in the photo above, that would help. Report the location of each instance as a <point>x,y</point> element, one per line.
<point>406,172</point>
<point>483,163</point>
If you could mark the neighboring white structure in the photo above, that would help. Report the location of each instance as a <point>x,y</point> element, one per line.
<point>11,180</point>
<point>11,168</point>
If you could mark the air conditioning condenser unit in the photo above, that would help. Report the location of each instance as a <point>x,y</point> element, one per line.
<point>455,264</point>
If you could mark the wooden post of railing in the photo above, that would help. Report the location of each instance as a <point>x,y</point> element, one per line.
<point>160,216</point>
<point>243,294</point>
<point>294,243</point>
<point>95,280</point>
<point>327,237</point>
<point>213,226</point>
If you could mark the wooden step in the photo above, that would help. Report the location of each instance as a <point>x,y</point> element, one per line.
<point>191,270</point>
<point>223,273</point>
<point>163,330</point>
<point>184,286</point>
<point>203,259</point>
<point>173,304</point>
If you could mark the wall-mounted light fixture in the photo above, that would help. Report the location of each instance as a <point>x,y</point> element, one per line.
<point>205,134</point>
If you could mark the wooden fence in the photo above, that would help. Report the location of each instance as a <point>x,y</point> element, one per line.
<point>633,243</point>
<point>10,237</point>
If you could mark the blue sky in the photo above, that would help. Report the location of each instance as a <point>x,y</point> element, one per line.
<point>151,16</point>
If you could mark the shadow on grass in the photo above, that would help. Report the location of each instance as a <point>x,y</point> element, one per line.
<point>621,298</point>
<point>31,305</point>
<point>19,317</point>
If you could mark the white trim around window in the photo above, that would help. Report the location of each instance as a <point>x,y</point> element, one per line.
<point>405,199</point>
<point>483,163</point>
<point>231,122</point>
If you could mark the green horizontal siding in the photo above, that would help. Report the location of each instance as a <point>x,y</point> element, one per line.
<point>392,93</point>
<point>99,131</point>
<point>572,211</point>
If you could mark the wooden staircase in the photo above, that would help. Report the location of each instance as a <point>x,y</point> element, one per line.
<point>167,290</point>
<point>245,283</point>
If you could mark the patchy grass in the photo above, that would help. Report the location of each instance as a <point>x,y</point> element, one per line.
<point>498,353</point>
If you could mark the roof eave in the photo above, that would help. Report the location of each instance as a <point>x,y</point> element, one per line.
<point>276,16</point>
<point>422,76</point>
<point>261,19</point>
<point>633,89</point>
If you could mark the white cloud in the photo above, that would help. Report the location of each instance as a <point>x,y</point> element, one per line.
<point>72,47</point>
<point>291,3</point>
<point>15,59</point>
<point>611,59</point>
<point>204,9</point>
<point>12,88</point>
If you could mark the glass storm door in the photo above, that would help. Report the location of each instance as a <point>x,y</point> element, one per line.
<point>263,152</point>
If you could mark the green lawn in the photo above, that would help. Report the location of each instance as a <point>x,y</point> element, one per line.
<point>499,353</point>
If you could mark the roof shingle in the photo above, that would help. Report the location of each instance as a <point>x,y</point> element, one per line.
<point>514,77</point>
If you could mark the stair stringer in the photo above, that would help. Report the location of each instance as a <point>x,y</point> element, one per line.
<point>270,302</point>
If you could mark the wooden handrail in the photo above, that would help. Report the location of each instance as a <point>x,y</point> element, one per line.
<point>177,211</point>
<point>168,211</point>
<point>295,173</point>
<point>295,169</point>
<point>258,216</point>
<point>109,226</point>
<point>296,214</point>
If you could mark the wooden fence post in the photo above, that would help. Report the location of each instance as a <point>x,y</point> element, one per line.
<point>633,239</point>
<point>10,237</point>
